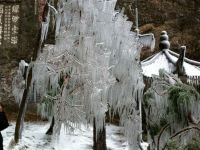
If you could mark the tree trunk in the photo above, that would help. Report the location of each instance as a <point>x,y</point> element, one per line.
<point>23,103</point>
<point>99,139</point>
<point>50,130</point>
<point>22,108</point>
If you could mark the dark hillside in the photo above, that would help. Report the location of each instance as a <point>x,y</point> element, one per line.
<point>180,18</point>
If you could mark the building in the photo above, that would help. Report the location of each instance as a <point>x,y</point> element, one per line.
<point>170,61</point>
<point>188,70</point>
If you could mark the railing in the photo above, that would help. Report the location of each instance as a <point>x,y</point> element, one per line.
<point>194,81</point>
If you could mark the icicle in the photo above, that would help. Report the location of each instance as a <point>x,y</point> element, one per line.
<point>45,25</point>
<point>44,31</point>
<point>147,40</point>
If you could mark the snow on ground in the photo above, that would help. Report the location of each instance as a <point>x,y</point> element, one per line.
<point>34,138</point>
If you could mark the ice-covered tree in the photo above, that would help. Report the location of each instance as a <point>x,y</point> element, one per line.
<point>94,64</point>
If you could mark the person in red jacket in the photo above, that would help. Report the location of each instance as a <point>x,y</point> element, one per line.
<point>3,124</point>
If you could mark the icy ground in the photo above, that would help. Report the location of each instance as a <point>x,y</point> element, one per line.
<point>34,138</point>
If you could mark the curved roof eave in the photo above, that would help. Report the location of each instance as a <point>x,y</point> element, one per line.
<point>192,67</point>
<point>190,61</point>
<point>150,59</point>
<point>168,54</point>
<point>169,57</point>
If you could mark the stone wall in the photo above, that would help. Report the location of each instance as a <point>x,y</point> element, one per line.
<point>9,58</point>
<point>29,28</point>
<point>29,25</point>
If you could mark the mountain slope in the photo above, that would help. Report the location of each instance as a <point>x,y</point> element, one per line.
<point>180,18</point>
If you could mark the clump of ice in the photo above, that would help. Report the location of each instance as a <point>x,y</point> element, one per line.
<point>19,83</point>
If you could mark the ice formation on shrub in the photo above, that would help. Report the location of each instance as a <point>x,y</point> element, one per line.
<point>162,109</point>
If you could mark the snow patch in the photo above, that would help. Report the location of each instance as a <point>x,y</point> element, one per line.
<point>34,138</point>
